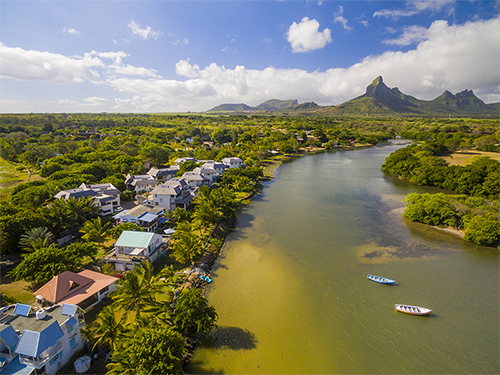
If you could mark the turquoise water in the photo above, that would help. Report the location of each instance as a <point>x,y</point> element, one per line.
<point>291,290</point>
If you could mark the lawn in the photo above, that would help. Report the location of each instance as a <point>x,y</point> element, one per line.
<point>459,158</point>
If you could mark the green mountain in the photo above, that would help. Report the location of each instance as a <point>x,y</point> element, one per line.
<point>383,101</point>
<point>270,105</point>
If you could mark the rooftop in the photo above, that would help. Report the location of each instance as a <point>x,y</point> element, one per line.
<point>135,239</point>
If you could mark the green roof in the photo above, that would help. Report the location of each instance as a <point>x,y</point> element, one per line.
<point>134,239</point>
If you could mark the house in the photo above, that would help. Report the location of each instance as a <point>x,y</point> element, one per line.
<point>84,289</point>
<point>144,182</point>
<point>210,175</point>
<point>132,248</point>
<point>219,167</point>
<point>172,194</point>
<point>164,174</point>
<point>183,160</point>
<point>39,341</point>
<point>145,215</point>
<point>193,179</point>
<point>233,162</point>
<point>106,196</point>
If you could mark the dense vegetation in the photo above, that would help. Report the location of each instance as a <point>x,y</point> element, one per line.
<point>477,217</point>
<point>145,321</point>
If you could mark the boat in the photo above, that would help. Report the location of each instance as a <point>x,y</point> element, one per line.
<point>381,280</point>
<point>413,310</point>
<point>207,279</point>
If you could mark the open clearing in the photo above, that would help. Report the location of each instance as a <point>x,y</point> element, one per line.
<point>459,158</point>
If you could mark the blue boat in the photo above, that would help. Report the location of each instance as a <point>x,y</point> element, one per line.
<point>207,279</point>
<point>381,280</point>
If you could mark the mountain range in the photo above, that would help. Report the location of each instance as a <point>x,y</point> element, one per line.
<point>381,100</point>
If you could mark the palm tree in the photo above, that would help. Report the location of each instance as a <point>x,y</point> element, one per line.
<point>36,238</point>
<point>58,215</point>
<point>107,329</point>
<point>140,289</point>
<point>96,231</point>
<point>83,209</point>
<point>186,247</point>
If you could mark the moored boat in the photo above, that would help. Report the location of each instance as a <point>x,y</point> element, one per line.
<point>413,310</point>
<point>205,278</point>
<point>381,280</point>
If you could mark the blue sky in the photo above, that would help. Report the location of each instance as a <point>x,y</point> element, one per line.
<point>170,56</point>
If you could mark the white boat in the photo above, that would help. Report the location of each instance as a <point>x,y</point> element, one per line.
<point>413,310</point>
<point>380,279</point>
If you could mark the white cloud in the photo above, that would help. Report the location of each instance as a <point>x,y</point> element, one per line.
<point>146,33</point>
<point>451,58</point>
<point>447,57</point>
<point>411,34</point>
<point>339,18</point>
<point>414,7</point>
<point>29,65</point>
<point>70,31</point>
<point>305,37</point>
<point>95,101</point>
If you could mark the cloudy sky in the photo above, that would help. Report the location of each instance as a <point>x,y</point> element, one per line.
<point>171,56</point>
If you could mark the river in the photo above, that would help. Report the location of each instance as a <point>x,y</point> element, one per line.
<point>292,295</point>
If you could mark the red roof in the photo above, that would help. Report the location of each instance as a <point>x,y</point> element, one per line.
<point>74,288</point>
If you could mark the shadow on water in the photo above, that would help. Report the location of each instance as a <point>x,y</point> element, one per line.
<point>233,338</point>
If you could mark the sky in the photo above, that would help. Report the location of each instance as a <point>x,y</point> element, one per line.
<point>180,56</point>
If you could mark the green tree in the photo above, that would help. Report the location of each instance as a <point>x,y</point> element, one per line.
<point>36,238</point>
<point>141,290</point>
<point>96,231</point>
<point>193,313</point>
<point>41,265</point>
<point>483,230</point>
<point>185,247</point>
<point>116,232</point>
<point>155,349</point>
<point>107,330</point>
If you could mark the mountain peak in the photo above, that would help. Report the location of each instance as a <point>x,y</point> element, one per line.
<point>377,81</point>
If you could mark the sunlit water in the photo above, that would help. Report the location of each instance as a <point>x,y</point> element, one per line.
<point>291,290</point>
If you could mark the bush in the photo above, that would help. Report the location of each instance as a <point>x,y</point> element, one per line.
<point>483,230</point>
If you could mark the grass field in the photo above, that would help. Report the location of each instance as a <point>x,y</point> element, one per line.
<point>459,158</point>
<point>10,177</point>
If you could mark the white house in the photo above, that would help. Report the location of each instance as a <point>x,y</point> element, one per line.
<point>210,175</point>
<point>143,182</point>
<point>145,215</point>
<point>194,179</point>
<point>106,196</point>
<point>39,341</point>
<point>133,248</point>
<point>233,162</point>
<point>164,174</point>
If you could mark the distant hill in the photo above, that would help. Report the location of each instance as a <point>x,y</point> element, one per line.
<point>380,99</point>
<point>383,101</point>
<point>270,105</point>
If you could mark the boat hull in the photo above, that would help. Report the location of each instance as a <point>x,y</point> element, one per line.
<point>412,310</point>
<point>381,280</point>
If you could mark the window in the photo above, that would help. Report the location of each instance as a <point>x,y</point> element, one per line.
<point>72,342</point>
<point>56,357</point>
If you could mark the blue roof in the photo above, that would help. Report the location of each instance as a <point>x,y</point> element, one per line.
<point>35,343</point>
<point>71,322</point>
<point>15,367</point>
<point>163,220</point>
<point>9,337</point>
<point>22,310</point>
<point>148,217</point>
<point>68,309</point>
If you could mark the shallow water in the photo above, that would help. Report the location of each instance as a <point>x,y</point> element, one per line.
<point>291,290</point>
